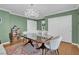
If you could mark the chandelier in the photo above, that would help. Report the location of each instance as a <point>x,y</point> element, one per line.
<point>32,12</point>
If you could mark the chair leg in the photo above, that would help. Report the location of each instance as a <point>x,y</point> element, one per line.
<point>57,52</point>
<point>42,51</point>
<point>45,51</point>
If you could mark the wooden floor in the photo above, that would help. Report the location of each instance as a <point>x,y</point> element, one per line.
<point>68,49</point>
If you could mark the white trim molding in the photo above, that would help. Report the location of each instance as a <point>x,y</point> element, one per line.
<point>11,12</point>
<point>75,44</point>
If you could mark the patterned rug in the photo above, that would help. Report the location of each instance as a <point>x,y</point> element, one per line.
<point>26,50</point>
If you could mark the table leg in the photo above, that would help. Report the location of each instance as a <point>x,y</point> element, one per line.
<point>30,43</point>
<point>43,48</point>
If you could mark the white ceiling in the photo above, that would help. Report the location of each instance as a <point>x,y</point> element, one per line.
<point>44,9</point>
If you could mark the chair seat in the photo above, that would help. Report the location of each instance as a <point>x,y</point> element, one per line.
<point>2,50</point>
<point>54,43</point>
<point>49,47</point>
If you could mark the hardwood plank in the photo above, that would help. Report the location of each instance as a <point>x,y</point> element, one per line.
<point>68,49</point>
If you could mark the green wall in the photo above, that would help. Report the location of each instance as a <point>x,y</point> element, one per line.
<point>72,12</point>
<point>4,26</point>
<point>75,28</point>
<point>75,23</point>
<point>46,24</point>
<point>21,22</point>
<point>39,23</point>
<point>8,21</point>
<point>78,28</point>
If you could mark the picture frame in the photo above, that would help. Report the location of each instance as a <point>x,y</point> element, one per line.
<point>0,20</point>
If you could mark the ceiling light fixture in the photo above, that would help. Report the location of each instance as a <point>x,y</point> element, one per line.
<point>31,12</point>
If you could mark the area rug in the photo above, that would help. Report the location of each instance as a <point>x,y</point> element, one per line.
<point>25,50</point>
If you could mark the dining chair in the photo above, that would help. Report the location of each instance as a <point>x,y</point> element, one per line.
<point>54,44</point>
<point>2,50</point>
<point>43,47</point>
<point>24,33</point>
<point>39,33</point>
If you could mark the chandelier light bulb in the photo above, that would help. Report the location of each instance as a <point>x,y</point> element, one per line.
<point>32,13</point>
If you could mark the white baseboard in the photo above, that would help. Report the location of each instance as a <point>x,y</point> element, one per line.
<point>5,42</point>
<point>75,44</point>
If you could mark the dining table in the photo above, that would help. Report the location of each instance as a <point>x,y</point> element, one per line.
<point>38,39</point>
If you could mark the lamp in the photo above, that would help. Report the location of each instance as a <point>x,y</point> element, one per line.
<point>31,12</point>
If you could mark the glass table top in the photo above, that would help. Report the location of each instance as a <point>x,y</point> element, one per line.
<point>37,37</point>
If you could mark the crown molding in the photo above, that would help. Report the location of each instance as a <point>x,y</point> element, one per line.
<point>11,12</point>
<point>59,12</point>
<point>5,10</point>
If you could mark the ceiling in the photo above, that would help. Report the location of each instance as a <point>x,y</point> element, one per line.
<point>44,9</point>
